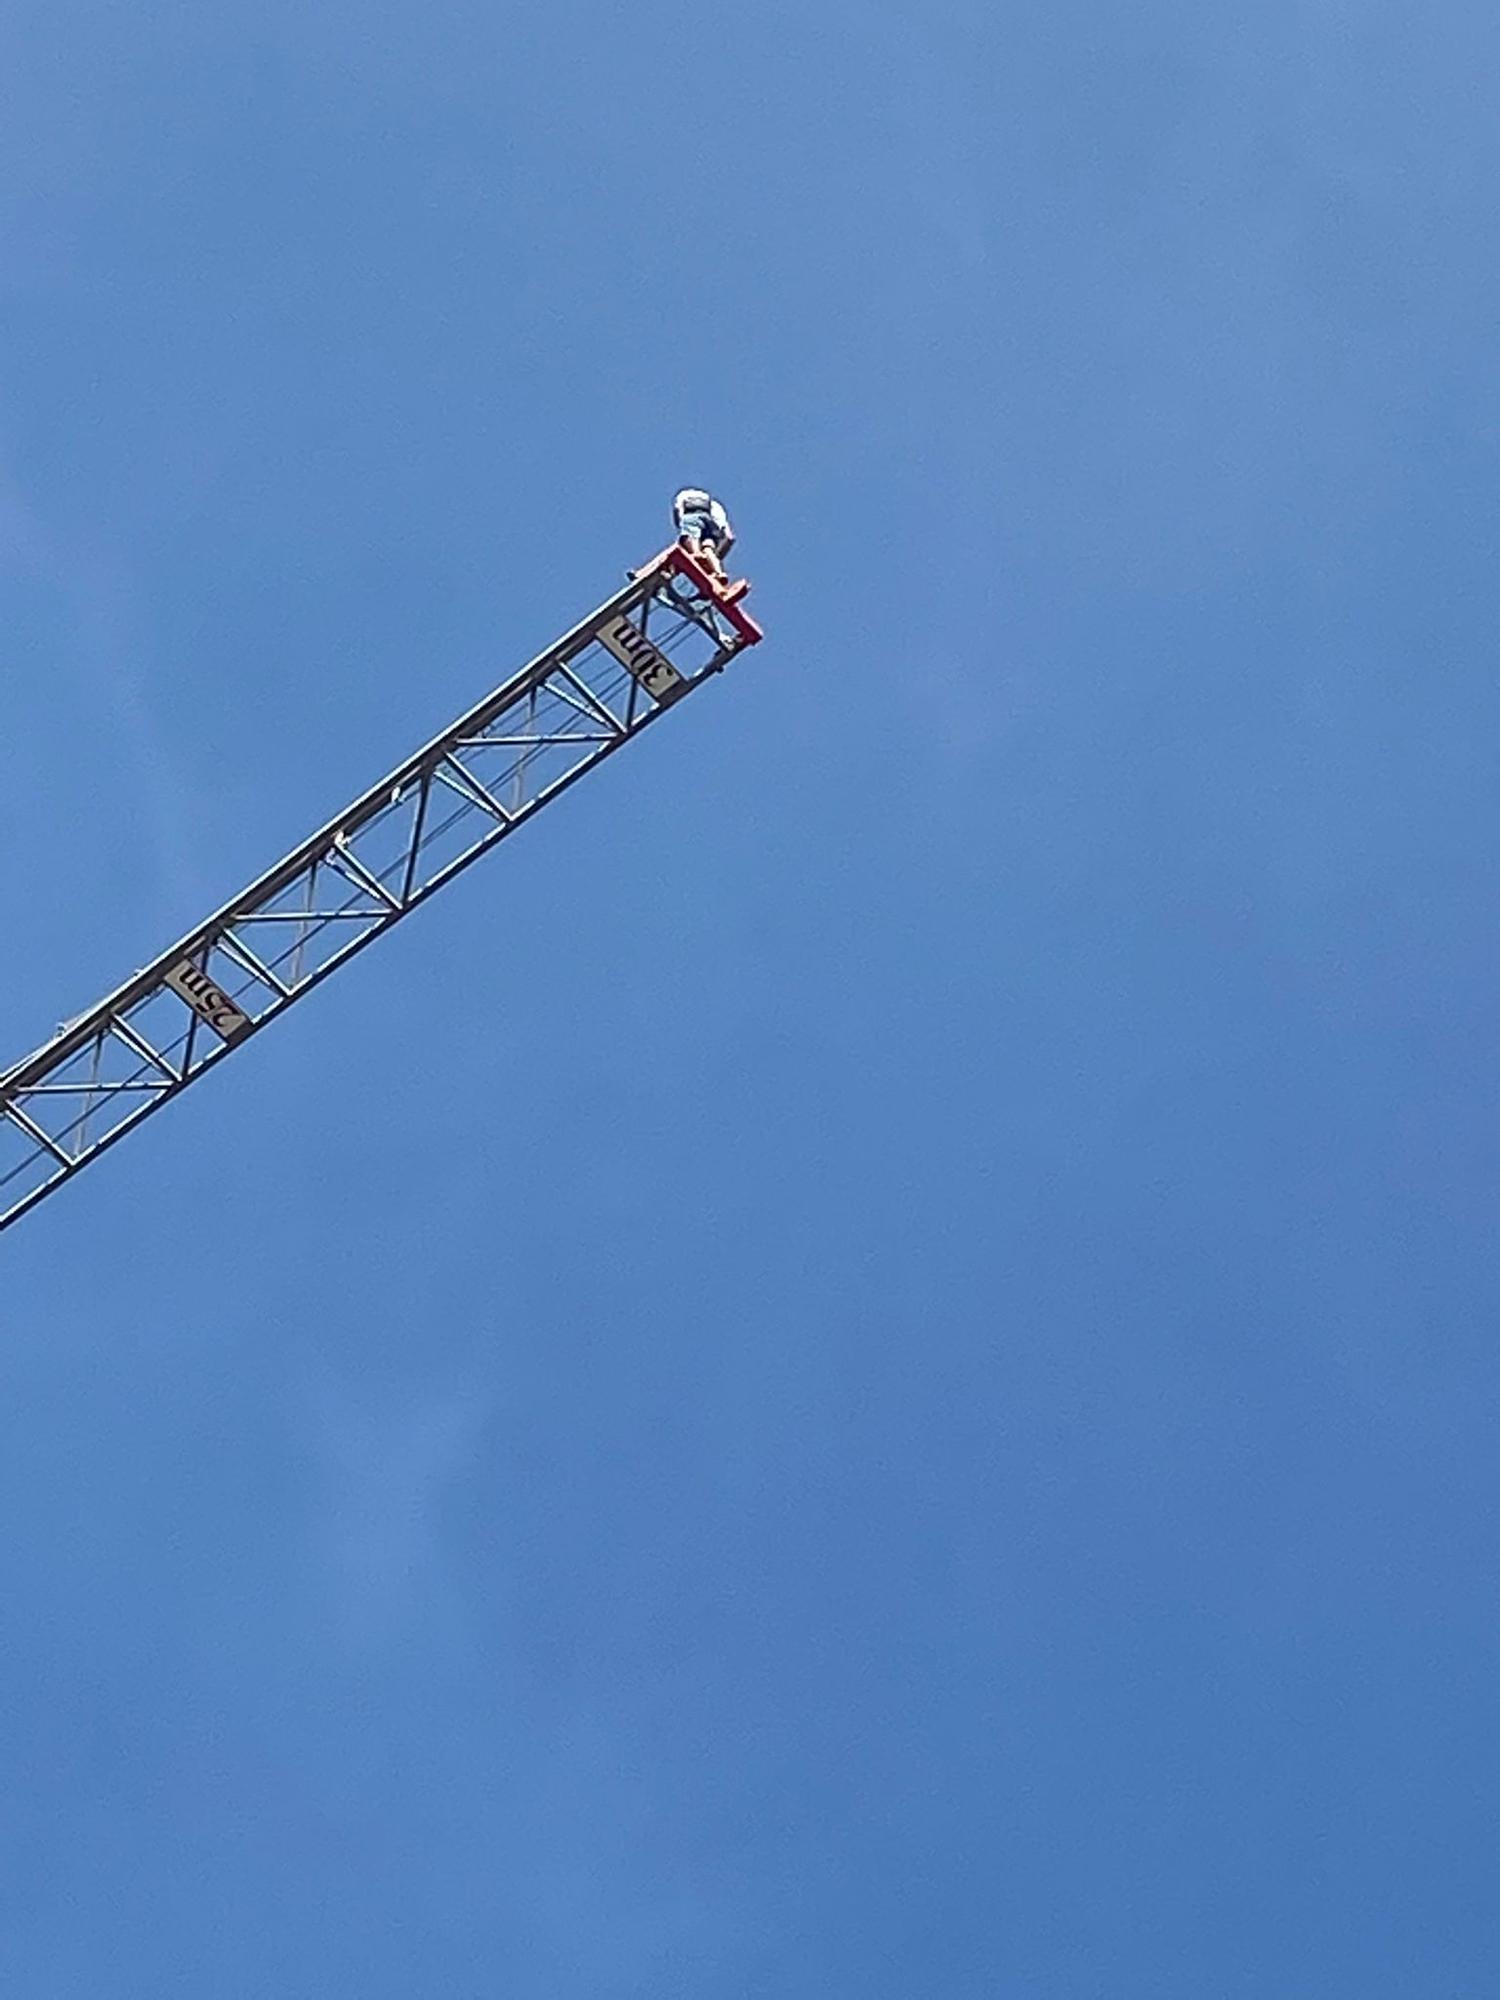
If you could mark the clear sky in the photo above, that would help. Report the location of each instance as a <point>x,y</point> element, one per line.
<point>866,1366</point>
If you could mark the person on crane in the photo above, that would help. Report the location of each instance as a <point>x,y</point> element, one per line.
<point>703,528</point>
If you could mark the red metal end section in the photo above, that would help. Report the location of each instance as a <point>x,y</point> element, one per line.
<point>726,596</point>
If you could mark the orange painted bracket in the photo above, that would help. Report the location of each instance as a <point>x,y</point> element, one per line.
<point>726,596</point>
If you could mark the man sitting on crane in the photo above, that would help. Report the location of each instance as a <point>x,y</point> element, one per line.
<point>703,529</point>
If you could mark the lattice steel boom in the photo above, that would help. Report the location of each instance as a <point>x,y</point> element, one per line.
<point>670,629</point>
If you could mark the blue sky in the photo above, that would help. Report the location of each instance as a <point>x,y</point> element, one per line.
<point>867,1364</point>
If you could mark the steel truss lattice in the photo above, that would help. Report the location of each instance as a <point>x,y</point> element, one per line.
<point>673,627</point>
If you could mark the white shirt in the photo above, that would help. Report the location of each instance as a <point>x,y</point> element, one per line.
<point>693,500</point>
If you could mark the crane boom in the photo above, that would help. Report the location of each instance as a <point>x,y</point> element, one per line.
<point>674,625</point>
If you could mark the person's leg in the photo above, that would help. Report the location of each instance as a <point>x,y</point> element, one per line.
<point>697,537</point>
<point>713,561</point>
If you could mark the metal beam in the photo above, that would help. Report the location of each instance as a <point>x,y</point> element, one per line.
<point>392,847</point>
